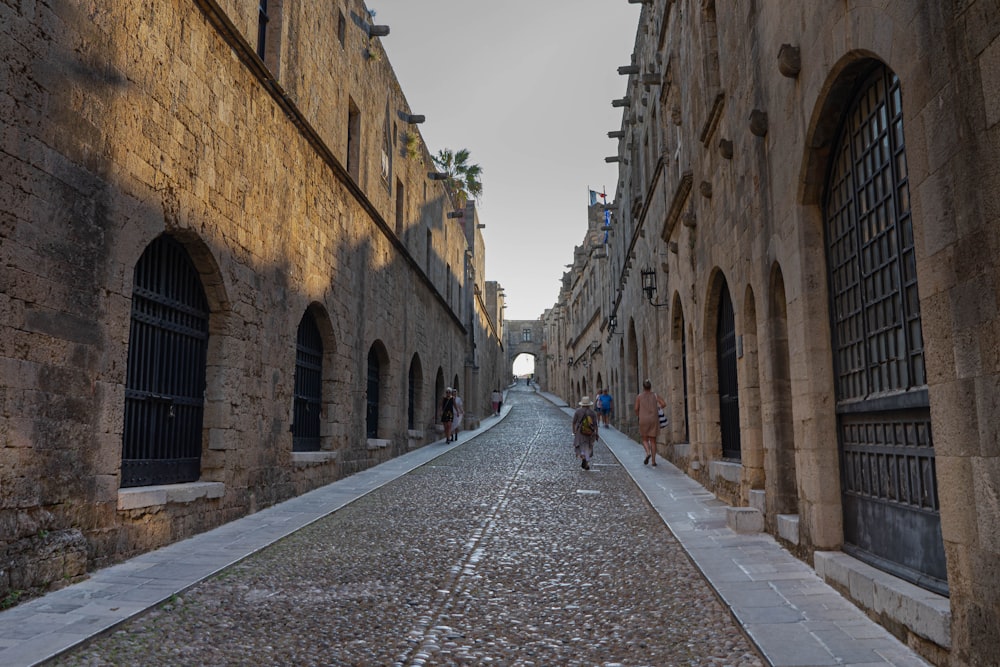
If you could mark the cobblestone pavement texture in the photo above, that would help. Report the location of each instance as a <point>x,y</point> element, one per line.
<point>503,551</point>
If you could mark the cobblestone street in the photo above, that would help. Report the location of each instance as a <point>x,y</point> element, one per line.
<point>502,551</point>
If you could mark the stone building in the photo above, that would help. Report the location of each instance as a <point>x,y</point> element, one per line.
<point>526,337</point>
<point>228,273</point>
<point>803,260</point>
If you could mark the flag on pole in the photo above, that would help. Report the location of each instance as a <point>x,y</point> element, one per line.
<point>597,198</point>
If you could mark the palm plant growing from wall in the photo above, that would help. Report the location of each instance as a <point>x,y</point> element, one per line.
<point>464,179</point>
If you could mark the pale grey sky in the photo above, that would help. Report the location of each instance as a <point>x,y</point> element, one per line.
<point>526,86</point>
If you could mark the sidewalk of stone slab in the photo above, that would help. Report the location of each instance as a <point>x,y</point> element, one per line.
<point>793,617</point>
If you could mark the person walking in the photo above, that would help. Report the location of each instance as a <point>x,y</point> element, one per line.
<point>605,403</point>
<point>447,413</point>
<point>496,398</point>
<point>585,425</point>
<point>647,409</point>
<point>456,424</point>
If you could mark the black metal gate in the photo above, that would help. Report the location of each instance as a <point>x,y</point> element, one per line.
<point>888,481</point>
<point>165,378</point>
<point>308,386</point>
<point>371,414</point>
<point>729,398</point>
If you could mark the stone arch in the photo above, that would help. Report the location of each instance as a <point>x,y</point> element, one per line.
<point>752,445</point>
<point>780,436</point>
<point>836,95</point>
<point>527,337</point>
<point>533,355</point>
<point>679,373</point>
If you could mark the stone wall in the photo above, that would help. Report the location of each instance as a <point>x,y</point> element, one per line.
<point>127,121</point>
<point>731,117</point>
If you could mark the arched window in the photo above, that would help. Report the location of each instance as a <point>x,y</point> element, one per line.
<point>729,398</point>
<point>165,377</point>
<point>374,393</point>
<point>308,386</point>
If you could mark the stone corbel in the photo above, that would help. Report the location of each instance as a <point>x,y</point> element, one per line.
<point>758,122</point>
<point>726,148</point>
<point>789,61</point>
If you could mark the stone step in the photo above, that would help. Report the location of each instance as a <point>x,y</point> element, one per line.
<point>745,519</point>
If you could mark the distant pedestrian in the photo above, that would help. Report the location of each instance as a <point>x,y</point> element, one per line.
<point>604,404</point>
<point>447,413</point>
<point>585,425</point>
<point>647,409</point>
<point>496,398</point>
<point>456,424</point>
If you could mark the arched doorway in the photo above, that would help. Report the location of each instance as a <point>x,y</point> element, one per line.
<point>888,481</point>
<point>680,375</point>
<point>729,398</point>
<point>782,435</point>
<point>438,393</point>
<point>523,366</point>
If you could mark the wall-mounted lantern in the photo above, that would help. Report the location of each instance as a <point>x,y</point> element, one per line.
<point>649,286</point>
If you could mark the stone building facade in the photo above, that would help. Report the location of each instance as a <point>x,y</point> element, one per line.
<point>803,260</point>
<point>526,337</point>
<point>226,274</point>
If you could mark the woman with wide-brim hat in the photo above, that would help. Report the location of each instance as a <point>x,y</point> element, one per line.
<point>585,427</point>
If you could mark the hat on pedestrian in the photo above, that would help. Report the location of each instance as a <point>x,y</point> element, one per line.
<point>585,402</point>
